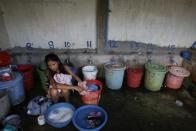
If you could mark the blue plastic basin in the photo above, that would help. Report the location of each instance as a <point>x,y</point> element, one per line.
<point>80,115</point>
<point>56,106</point>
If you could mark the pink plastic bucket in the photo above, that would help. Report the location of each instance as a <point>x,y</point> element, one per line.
<point>176,76</point>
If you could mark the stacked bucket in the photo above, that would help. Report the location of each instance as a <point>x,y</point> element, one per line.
<point>94,86</point>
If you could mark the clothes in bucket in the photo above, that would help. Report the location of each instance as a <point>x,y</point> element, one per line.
<point>92,93</point>
<point>92,87</point>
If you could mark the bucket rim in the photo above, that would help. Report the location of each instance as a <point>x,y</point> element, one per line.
<point>174,70</point>
<point>93,66</point>
<point>57,105</point>
<point>116,69</point>
<point>163,68</point>
<point>77,111</point>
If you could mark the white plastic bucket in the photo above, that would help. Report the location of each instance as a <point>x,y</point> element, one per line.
<point>5,104</point>
<point>89,72</point>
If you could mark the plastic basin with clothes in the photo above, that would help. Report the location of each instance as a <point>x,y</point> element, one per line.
<point>81,116</point>
<point>59,115</point>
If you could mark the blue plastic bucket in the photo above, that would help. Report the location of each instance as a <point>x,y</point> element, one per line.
<point>186,54</point>
<point>114,74</point>
<point>55,107</point>
<point>81,114</point>
<point>14,88</point>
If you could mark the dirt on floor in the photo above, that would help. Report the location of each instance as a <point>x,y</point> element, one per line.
<point>130,110</point>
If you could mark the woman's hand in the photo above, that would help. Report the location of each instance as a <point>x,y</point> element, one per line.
<point>82,84</point>
<point>80,90</point>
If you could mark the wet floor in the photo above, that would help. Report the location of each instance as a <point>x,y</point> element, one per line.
<point>130,110</point>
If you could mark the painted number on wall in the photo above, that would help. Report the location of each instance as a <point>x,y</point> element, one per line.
<point>89,44</point>
<point>69,44</point>
<point>51,44</point>
<point>29,46</point>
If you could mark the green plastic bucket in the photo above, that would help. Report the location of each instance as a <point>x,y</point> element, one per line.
<point>41,70</point>
<point>154,76</point>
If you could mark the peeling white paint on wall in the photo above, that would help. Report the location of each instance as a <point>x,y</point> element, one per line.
<point>160,22</point>
<point>41,21</point>
<point>4,40</point>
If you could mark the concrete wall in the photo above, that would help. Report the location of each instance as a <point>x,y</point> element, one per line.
<point>4,40</point>
<point>82,59</point>
<point>160,22</point>
<point>41,21</point>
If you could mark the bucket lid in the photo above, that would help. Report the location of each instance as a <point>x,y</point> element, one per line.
<point>179,71</point>
<point>115,66</point>
<point>155,67</point>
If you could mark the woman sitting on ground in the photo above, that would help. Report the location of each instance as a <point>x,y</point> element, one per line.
<point>60,77</point>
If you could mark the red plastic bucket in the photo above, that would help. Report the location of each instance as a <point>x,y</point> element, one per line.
<point>27,71</point>
<point>93,97</point>
<point>28,83</point>
<point>134,77</point>
<point>5,59</point>
<point>176,76</point>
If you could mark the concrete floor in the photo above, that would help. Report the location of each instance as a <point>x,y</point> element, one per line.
<point>130,109</point>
